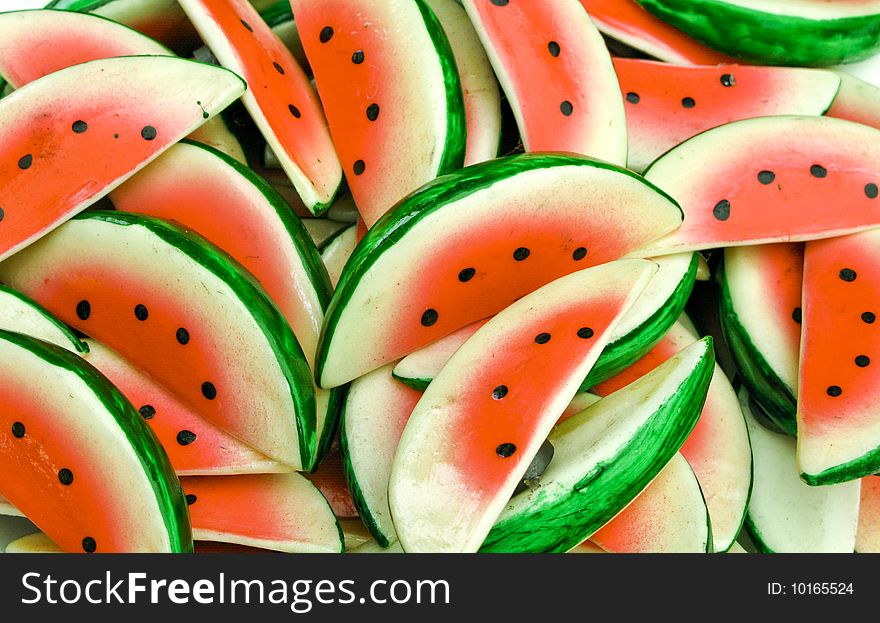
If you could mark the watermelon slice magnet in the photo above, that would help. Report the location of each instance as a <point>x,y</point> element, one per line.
<point>186,314</point>
<point>467,245</point>
<point>481,422</point>
<point>77,458</point>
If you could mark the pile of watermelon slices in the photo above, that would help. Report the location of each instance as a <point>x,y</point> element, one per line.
<point>497,276</point>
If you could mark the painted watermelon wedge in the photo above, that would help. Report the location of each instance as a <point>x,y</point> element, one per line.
<point>857,100</point>
<point>280,98</point>
<point>557,74</point>
<point>191,318</point>
<point>50,170</point>
<point>227,203</point>
<point>770,179</point>
<point>667,104</point>
<point>337,251</point>
<point>605,456</point>
<point>669,517</point>
<point>717,449</point>
<point>419,368</point>
<point>473,434</point>
<point>786,515</point>
<point>470,243</point>
<point>20,314</point>
<point>482,97</point>
<point>123,498</point>
<point>791,32</point>
<point>868,533</point>
<point>282,512</point>
<point>389,85</point>
<point>79,38</point>
<point>838,420</point>
<point>760,311</point>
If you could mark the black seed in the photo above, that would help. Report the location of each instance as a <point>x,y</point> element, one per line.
<point>688,102</point>
<point>728,80</point>
<point>505,450</point>
<point>633,98</point>
<point>115,136</point>
<point>500,2</point>
<point>521,253</point>
<point>326,34</point>
<point>834,391</point>
<point>847,274</point>
<point>65,476</point>
<point>80,126</point>
<point>466,274</point>
<point>205,115</point>
<point>553,48</point>
<point>766,177</point>
<point>863,361</point>
<point>17,430</point>
<point>871,191</point>
<point>83,310</point>
<point>721,211</point>
<point>191,499</point>
<point>246,25</point>
<point>141,312</point>
<point>358,57</point>
<point>89,545</point>
<point>1,214</point>
<point>185,437</point>
<point>499,392</point>
<point>579,254</point>
<point>585,333</point>
<point>208,390</point>
<point>278,68</point>
<point>818,171</point>
<point>429,317</point>
<point>797,315</point>
<point>148,133</point>
<point>358,167</point>
<point>566,108</point>
<point>147,412</point>
<point>373,112</point>
<point>542,338</point>
<point>183,336</point>
<point>868,317</point>
<point>294,111</point>
<point>25,161</point>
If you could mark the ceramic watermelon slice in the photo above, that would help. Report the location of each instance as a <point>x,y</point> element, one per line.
<point>280,99</point>
<point>868,533</point>
<point>106,119</point>
<point>468,244</point>
<point>77,458</point>
<point>238,211</point>
<point>282,512</point>
<point>770,179</point>
<point>336,252</point>
<point>389,85</point>
<point>605,456</point>
<point>857,101</point>
<point>20,314</point>
<point>186,314</point>
<point>322,231</point>
<point>557,74</point>
<point>761,314</point>
<point>838,421</point>
<point>481,422</point>
<point>669,517</point>
<point>788,32</point>
<point>667,104</point>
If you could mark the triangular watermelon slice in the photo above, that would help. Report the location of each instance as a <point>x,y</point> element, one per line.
<point>71,137</point>
<point>186,314</point>
<point>389,84</point>
<point>770,179</point>
<point>838,418</point>
<point>280,99</point>
<point>20,314</point>
<point>479,424</point>
<point>104,482</point>
<point>468,244</point>
<point>868,533</point>
<point>666,104</point>
<point>557,74</point>
<point>857,100</point>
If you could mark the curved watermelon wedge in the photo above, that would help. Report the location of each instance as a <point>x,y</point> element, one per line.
<point>20,314</point>
<point>336,253</point>
<point>78,38</point>
<point>71,137</point>
<point>857,100</point>
<point>605,456</point>
<point>838,419</point>
<point>667,104</point>
<point>468,244</point>
<point>389,85</point>
<point>227,203</point>
<point>187,315</point>
<point>868,533</point>
<point>280,99</point>
<point>78,460</point>
<point>481,422</point>
<point>770,179</point>
<point>557,74</point>
<point>669,517</point>
<point>283,512</point>
<point>764,332</point>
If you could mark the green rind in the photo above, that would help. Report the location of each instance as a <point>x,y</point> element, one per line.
<point>765,38</point>
<point>277,13</point>
<point>757,537</point>
<point>865,465</point>
<point>557,525</point>
<point>763,384</point>
<point>150,453</point>
<point>83,6</point>
<point>418,384</point>
<point>78,345</point>
<point>433,196</point>
<point>329,240</point>
<point>277,332</point>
